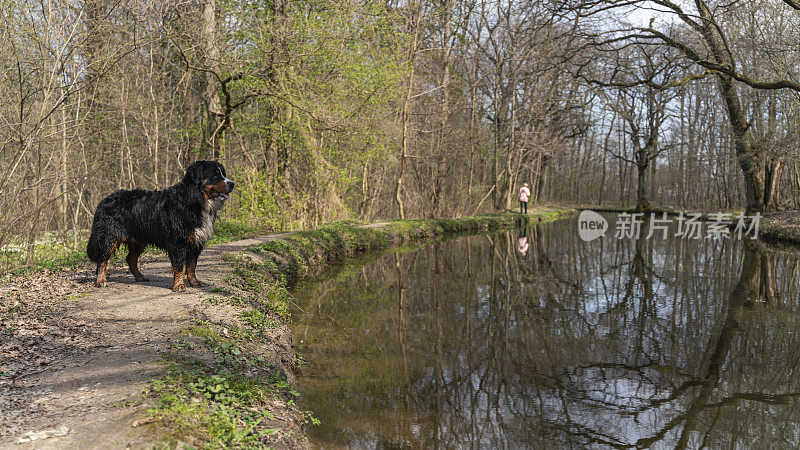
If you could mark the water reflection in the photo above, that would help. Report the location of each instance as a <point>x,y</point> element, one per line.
<point>522,242</point>
<point>473,343</point>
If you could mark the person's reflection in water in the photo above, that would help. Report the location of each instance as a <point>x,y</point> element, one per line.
<point>522,241</point>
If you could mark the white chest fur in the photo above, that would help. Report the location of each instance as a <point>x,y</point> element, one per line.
<point>206,229</point>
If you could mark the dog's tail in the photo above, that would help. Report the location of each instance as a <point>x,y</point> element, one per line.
<point>94,248</point>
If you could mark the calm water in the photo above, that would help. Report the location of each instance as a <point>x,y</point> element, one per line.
<point>614,343</point>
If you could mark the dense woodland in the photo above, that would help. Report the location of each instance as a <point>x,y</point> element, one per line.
<point>329,109</point>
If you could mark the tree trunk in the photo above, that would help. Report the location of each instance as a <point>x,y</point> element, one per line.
<point>746,154</point>
<point>441,157</point>
<point>398,189</point>
<point>773,170</point>
<point>642,204</point>
<point>542,178</point>
<point>215,115</point>
<point>412,57</point>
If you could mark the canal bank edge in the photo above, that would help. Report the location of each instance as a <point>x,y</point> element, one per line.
<point>781,228</point>
<point>304,253</point>
<point>229,380</point>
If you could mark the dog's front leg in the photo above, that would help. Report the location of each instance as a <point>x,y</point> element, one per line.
<point>178,259</point>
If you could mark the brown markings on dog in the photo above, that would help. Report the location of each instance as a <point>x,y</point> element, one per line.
<point>101,274</point>
<point>179,279</point>
<point>210,189</point>
<point>207,189</point>
<point>191,278</point>
<point>135,250</point>
<point>101,280</point>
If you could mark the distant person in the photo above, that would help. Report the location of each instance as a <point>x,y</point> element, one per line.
<point>524,193</point>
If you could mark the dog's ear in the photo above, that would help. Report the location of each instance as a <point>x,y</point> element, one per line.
<point>194,175</point>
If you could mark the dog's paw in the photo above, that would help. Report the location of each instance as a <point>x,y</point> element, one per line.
<point>195,283</point>
<point>100,284</point>
<point>179,288</point>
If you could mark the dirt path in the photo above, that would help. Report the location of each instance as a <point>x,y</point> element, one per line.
<point>78,356</point>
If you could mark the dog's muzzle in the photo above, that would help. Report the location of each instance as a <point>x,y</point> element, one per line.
<point>225,195</point>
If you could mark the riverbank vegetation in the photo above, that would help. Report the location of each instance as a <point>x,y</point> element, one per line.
<point>348,109</point>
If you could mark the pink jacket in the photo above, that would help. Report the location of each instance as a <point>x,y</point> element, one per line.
<point>522,245</point>
<point>524,193</point>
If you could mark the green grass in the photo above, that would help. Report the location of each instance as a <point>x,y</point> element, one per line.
<point>219,390</point>
<point>215,407</point>
<point>232,231</point>
<point>65,260</point>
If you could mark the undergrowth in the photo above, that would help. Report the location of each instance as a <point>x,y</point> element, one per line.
<point>233,400</point>
<point>221,390</point>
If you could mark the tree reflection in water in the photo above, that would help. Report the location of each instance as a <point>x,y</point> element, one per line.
<point>614,343</point>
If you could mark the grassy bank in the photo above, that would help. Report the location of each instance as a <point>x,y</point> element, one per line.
<point>304,253</point>
<point>229,382</point>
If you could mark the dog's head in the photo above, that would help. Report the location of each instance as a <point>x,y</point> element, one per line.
<point>209,177</point>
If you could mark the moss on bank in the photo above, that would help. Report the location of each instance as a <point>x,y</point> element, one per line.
<point>221,390</point>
